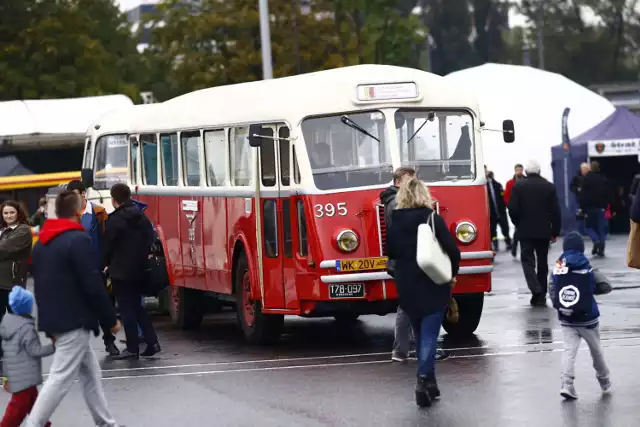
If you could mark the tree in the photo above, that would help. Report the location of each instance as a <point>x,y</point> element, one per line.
<point>65,48</point>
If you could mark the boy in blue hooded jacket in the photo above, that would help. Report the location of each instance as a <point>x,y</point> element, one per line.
<point>574,287</point>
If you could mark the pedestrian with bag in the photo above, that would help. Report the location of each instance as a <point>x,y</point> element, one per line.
<point>15,249</point>
<point>535,211</point>
<point>94,220</point>
<point>574,287</point>
<point>23,355</point>
<point>403,336</point>
<point>422,298</point>
<point>72,303</point>
<point>126,252</point>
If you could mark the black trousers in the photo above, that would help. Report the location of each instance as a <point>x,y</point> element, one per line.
<point>514,243</point>
<point>107,336</point>
<point>502,221</point>
<point>133,314</point>
<point>4,307</point>
<point>533,255</point>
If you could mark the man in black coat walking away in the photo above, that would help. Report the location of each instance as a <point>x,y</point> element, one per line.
<point>126,252</point>
<point>594,199</point>
<point>498,211</point>
<point>535,211</point>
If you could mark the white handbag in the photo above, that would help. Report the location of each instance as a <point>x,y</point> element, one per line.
<point>429,254</point>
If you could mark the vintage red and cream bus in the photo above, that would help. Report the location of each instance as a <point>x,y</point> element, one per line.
<point>266,194</point>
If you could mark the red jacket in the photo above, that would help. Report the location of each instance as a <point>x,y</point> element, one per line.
<point>507,190</point>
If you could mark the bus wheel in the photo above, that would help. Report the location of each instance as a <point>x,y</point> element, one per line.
<point>470,311</point>
<point>258,328</point>
<point>186,307</point>
<point>346,318</point>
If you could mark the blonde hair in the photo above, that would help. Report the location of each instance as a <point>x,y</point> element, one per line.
<point>414,194</point>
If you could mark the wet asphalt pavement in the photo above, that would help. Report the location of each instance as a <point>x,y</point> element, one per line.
<point>325,374</point>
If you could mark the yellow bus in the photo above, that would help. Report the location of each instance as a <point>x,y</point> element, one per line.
<point>28,189</point>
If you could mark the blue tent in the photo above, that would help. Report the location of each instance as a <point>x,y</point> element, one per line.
<point>621,125</point>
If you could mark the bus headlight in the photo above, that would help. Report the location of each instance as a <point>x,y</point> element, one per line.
<point>466,232</point>
<point>347,241</point>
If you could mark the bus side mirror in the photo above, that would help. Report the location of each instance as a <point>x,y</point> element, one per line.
<point>255,140</point>
<point>508,131</point>
<point>87,177</point>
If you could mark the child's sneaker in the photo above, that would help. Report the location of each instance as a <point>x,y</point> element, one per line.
<point>568,392</point>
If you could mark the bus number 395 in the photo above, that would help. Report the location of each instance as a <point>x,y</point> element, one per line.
<point>330,210</point>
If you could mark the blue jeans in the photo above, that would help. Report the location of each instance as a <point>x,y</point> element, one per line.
<point>426,331</point>
<point>596,225</point>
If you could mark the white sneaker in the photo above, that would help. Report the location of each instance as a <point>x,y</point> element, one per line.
<point>395,357</point>
<point>569,392</point>
<point>606,388</point>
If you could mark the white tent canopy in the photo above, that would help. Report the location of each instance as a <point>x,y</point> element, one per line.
<point>52,123</point>
<point>534,100</point>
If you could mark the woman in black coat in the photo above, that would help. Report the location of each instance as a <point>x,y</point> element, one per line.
<point>424,301</point>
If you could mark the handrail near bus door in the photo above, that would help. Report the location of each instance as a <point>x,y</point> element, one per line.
<point>259,225</point>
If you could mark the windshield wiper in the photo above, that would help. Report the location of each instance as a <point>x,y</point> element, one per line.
<point>347,121</point>
<point>430,116</point>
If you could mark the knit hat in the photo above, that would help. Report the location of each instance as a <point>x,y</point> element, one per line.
<point>21,301</point>
<point>573,242</point>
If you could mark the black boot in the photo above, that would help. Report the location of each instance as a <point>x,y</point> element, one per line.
<point>151,350</point>
<point>423,397</point>
<point>596,249</point>
<point>432,388</point>
<point>601,250</point>
<point>112,349</point>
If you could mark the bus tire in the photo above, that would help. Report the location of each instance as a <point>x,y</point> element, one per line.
<point>346,318</point>
<point>186,307</point>
<point>258,328</point>
<point>470,312</point>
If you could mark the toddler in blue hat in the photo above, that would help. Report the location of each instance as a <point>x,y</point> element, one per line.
<point>22,356</point>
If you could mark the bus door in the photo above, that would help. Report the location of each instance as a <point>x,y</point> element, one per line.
<point>278,266</point>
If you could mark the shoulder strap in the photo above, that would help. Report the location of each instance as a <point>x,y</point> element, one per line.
<point>432,222</point>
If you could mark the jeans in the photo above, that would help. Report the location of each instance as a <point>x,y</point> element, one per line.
<point>427,330</point>
<point>533,256</point>
<point>403,334</point>
<point>134,315</point>
<point>73,358</point>
<point>596,225</point>
<point>572,340</point>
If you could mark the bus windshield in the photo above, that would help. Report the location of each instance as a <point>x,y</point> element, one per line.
<point>348,150</point>
<point>437,144</point>
<point>111,163</point>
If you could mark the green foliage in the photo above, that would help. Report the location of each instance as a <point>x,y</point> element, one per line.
<point>65,48</point>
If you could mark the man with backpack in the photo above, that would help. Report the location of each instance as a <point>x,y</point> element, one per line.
<point>94,220</point>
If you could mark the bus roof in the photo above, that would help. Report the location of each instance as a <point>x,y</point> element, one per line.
<point>118,121</point>
<point>293,98</point>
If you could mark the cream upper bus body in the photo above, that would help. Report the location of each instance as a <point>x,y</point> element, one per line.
<point>365,90</point>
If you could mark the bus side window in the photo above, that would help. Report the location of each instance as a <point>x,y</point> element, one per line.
<point>169,159</point>
<point>135,149</point>
<point>268,159</point>
<point>149,159</point>
<point>302,230</point>
<point>215,152</point>
<point>191,157</point>
<point>240,157</point>
<point>285,159</point>
<point>270,229</point>
<point>296,168</point>
<point>286,231</point>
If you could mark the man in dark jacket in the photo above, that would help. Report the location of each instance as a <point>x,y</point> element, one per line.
<point>594,199</point>
<point>126,252</point>
<point>535,211</point>
<point>497,210</point>
<point>71,301</point>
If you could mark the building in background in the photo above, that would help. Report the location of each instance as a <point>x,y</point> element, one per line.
<point>621,94</point>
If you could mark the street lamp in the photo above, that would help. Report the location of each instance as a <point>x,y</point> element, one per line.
<point>265,40</point>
